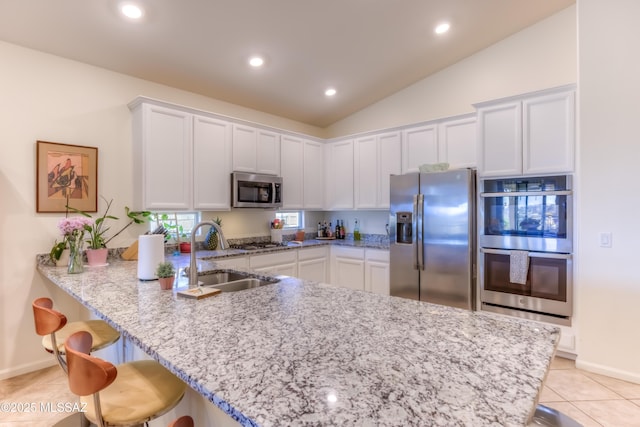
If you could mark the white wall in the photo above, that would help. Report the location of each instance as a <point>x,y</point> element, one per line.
<point>608,279</point>
<point>44,97</point>
<point>539,57</point>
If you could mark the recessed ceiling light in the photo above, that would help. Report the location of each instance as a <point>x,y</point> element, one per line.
<point>442,28</point>
<point>330,92</point>
<point>131,11</point>
<point>256,61</point>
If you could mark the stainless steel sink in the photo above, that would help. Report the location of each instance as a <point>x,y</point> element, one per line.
<point>232,281</point>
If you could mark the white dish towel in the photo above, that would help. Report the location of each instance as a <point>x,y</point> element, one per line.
<point>518,267</point>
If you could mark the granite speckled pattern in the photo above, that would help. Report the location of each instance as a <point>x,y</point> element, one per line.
<point>302,353</point>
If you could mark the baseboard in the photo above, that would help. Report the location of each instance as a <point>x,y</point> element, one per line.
<point>26,368</point>
<point>608,371</point>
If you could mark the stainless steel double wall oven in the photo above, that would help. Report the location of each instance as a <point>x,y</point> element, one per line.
<point>532,214</point>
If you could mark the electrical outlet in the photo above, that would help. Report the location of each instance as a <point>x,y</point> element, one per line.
<point>605,240</point>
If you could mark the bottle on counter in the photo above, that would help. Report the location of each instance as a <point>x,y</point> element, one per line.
<point>356,230</point>
<point>343,231</point>
<point>337,233</point>
<point>319,230</point>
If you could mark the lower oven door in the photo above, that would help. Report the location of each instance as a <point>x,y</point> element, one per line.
<point>547,291</point>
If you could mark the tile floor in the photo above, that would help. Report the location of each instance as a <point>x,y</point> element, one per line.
<point>590,399</point>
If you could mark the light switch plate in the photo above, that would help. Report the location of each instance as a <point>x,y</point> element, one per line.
<point>605,240</point>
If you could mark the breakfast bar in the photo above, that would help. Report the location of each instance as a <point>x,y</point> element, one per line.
<point>304,353</point>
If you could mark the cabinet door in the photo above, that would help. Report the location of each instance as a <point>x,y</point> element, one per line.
<point>457,142</point>
<point>236,262</point>
<point>313,170</point>
<point>366,172</point>
<point>419,146</point>
<point>211,161</point>
<point>313,269</point>
<point>349,273</point>
<point>339,175</point>
<point>377,277</point>
<point>549,133</point>
<point>500,139</point>
<point>389,163</point>
<point>244,148</point>
<point>291,167</point>
<point>166,158</point>
<point>268,152</point>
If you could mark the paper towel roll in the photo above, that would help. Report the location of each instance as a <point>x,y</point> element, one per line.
<point>150,254</point>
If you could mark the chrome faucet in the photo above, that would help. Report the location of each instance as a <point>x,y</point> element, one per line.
<point>193,268</point>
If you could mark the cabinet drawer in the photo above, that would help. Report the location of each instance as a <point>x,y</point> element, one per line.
<point>266,260</point>
<point>312,253</point>
<point>346,252</point>
<point>380,255</point>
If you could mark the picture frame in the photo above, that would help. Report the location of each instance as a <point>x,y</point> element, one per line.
<point>66,175</point>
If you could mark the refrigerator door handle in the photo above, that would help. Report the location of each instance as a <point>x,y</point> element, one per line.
<point>419,208</point>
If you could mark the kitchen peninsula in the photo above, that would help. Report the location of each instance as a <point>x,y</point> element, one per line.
<point>305,353</point>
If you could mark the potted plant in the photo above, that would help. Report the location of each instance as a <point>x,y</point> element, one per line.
<point>97,244</point>
<point>177,232</point>
<point>165,272</point>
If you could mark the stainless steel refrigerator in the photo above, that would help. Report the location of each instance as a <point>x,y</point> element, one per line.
<point>432,237</point>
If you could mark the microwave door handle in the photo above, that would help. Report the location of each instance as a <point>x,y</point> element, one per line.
<point>419,222</point>
<point>273,193</point>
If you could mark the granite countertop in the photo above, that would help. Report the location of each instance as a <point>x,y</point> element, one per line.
<point>304,353</point>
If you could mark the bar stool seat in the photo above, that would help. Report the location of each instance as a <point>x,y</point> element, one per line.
<point>184,421</point>
<point>53,327</point>
<point>103,334</point>
<point>129,394</point>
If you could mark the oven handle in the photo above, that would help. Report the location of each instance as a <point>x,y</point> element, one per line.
<point>528,193</point>
<point>531,254</point>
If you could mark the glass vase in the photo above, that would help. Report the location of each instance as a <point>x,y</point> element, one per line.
<point>75,253</point>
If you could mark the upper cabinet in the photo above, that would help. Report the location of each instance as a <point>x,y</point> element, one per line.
<point>255,150</point>
<point>313,194</point>
<point>528,134</point>
<point>163,148</point>
<point>377,157</point>
<point>181,160</point>
<point>339,176</point>
<point>292,170</point>
<point>211,163</point>
<point>451,141</point>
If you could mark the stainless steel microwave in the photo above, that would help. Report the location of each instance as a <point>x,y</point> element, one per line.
<point>252,190</point>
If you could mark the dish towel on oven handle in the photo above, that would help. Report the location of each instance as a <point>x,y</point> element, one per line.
<point>518,267</point>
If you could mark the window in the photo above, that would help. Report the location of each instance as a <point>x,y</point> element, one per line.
<point>178,222</point>
<point>291,220</point>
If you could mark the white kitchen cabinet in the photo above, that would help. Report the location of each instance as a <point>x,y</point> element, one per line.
<point>419,147</point>
<point>284,262</point>
<point>163,149</point>
<point>339,189</point>
<point>377,157</point>
<point>376,274</point>
<point>347,267</point>
<point>211,163</point>
<point>292,171</point>
<point>528,134</point>
<point>235,262</point>
<point>255,150</point>
<point>313,171</point>
<point>457,142</point>
<point>313,264</point>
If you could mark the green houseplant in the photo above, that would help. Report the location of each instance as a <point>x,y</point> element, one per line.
<point>165,272</point>
<point>97,242</point>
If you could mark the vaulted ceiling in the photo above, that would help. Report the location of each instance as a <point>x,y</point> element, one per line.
<point>365,49</point>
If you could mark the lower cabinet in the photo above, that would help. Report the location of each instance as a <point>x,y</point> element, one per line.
<point>376,271</point>
<point>235,262</point>
<point>347,267</point>
<point>313,264</point>
<point>276,263</point>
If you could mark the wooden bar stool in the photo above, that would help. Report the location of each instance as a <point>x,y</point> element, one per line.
<point>129,394</point>
<point>54,329</point>
<point>185,421</point>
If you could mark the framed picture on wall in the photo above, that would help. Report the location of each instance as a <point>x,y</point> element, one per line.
<point>66,174</point>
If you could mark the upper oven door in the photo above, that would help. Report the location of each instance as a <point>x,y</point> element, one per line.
<point>527,213</point>
<point>255,191</point>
